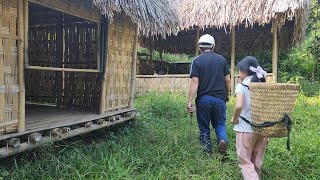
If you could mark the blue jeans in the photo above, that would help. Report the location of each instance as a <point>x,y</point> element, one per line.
<point>211,109</point>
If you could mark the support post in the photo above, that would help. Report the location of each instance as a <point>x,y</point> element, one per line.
<point>103,57</point>
<point>26,32</point>
<point>20,32</point>
<point>233,57</point>
<point>151,63</point>
<point>133,68</point>
<point>274,52</point>
<point>196,41</point>
<point>60,57</point>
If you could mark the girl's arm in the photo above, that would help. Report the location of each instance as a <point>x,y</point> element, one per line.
<point>237,108</point>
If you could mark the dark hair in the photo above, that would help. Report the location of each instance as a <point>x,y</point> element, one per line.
<point>244,66</point>
<point>202,49</point>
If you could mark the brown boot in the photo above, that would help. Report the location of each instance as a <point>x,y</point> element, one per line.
<point>222,149</point>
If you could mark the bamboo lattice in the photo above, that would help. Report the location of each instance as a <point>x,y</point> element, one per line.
<point>76,49</point>
<point>119,53</point>
<point>9,87</point>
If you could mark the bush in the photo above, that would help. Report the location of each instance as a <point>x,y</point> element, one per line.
<point>169,57</point>
<point>310,88</point>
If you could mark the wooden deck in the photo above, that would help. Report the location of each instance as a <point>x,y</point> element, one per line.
<point>39,116</point>
<point>44,119</point>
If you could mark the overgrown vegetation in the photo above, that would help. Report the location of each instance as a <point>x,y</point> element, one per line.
<point>168,57</point>
<point>158,146</point>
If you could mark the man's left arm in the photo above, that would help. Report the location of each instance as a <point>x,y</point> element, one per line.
<point>228,86</point>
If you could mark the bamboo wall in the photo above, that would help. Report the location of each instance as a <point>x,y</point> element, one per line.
<point>70,89</point>
<point>9,87</point>
<point>119,57</point>
<point>170,83</point>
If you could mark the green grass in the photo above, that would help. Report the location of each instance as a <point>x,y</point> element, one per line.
<point>158,146</point>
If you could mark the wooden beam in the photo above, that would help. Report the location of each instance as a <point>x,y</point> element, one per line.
<point>20,32</point>
<point>274,52</point>
<point>196,41</point>
<point>65,8</point>
<point>61,69</point>
<point>134,68</point>
<point>233,57</point>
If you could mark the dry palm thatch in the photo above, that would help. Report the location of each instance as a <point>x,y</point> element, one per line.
<point>153,17</point>
<point>228,13</point>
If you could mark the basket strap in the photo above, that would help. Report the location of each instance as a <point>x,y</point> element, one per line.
<point>245,86</point>
<point>286,120</point>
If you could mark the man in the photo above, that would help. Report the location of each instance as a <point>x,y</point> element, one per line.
<point>210,80</point>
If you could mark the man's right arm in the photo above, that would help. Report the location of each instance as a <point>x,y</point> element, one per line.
<point>228,85</point>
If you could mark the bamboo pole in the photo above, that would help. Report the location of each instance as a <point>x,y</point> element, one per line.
<point>196,41</point>
<point>233,57</point>
<point>9,123</point>
<point>61,69</point>
<point>274,53</point>
<point>26,29</point>
<point>98,44</point>
<point>60,53</point>
<point>103,92</point>
<point>133,68</point>
<point>151,63</point>
<point>20,31</point>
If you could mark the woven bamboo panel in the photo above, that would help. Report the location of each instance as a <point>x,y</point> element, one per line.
<point>41,85</point>
<point>9,86</point>
<point>165,83</point>
<point>120,47</point>
<point>170,83</point>
<point>80,46</point>
<point>81,89</point>
<point>77,49</point>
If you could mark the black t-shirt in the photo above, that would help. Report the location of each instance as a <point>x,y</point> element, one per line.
<point>211,70</point>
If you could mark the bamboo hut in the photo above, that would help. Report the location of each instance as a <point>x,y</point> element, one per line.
<point>68,67</point>
<point>242,26</point>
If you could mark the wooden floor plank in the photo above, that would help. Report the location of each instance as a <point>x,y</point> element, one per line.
<point>41,116</point>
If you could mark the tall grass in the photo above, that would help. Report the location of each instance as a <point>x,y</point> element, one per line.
<point>162,144</point>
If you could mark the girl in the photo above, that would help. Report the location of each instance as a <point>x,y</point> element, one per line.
<point>250,147</point>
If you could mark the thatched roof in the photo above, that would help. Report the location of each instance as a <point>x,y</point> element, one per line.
<point>229,13</point>
<point>153,17</point>
<point>254,21</point>
<point>222,13</point>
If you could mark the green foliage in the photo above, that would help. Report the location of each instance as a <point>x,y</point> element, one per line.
<point>309,88</point>
<point>158,146</point>
<point>168,57</point>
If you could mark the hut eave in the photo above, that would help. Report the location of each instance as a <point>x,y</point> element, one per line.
<point>153,17</point>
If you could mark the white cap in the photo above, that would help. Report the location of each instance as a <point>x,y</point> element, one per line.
<point>206,41</point>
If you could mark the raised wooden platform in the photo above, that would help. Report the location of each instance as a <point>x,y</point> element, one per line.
<point>45,120</point>
<point>40,116</point>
